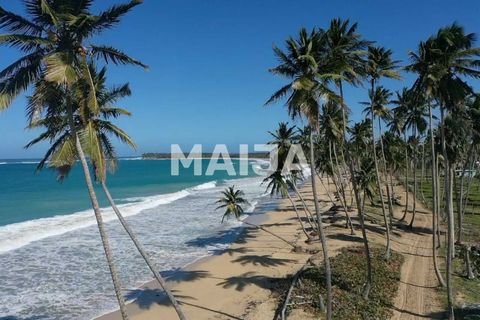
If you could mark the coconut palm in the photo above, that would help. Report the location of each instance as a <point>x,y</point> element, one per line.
<point>363,181</point>
<point>443,63</point>
<point>397,125</point>
<point>331,130</point>
<point>233,201</point>
<point>300,64</point>
<point>97,128</point>
<point>415,120</point>
<point>379,97</point>
<point>55,41</point>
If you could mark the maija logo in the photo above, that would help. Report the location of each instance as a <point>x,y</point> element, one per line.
<point>220,159</point>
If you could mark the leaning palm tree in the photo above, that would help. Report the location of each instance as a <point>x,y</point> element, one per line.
<point>98,146</point>
<point>301,64</point>
<point>233,201</point>
<point>55,40</point>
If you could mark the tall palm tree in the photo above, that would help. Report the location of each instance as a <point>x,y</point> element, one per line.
<point>102,153</point>
<point>415,121</point>
<point>331,129</point>
<point>359,142</point>
<point>380,64</point>
<point>379,97</point>
<point>54,39</point>
<point>233,201</point>
<point>443,63</point>
<point>300,64</point>
<point>346,49</point>
<point>397,125</point>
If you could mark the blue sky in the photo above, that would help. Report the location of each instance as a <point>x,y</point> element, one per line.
<point>208,59</point>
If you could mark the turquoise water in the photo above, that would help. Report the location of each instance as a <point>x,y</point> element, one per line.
<point>52,262</point>
<point>28,194</point>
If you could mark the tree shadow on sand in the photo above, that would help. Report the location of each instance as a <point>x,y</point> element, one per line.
<point>460,314</point>
<point>145,298</point>
<point>264,261</point>
<point>224,237</point>
<point>240,282</point>
<point>231,251</point>
<point>345,237</point>
<point>179,275</point>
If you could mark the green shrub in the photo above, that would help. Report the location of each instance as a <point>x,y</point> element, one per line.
<point>348,278</point>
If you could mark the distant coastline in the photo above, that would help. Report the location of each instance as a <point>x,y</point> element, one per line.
<point>164,155</point>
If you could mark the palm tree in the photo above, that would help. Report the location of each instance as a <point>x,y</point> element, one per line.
<point>442,64</point>
<point>233,201</point>
<point>300,64</point>
<point>397,126</point>
<point>362,178</point>
<point>378,99</point>
<point>102,153</point>
<point>278,185</point>
<point>278,182</point>
<point>379,65</point>
<point>346,50</point>
<point>415,121</point>
<point>331,130</point>
<point>54,42</point>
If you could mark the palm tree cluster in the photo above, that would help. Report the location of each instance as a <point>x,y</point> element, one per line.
<point>70,99</point>
<point>364,160</point>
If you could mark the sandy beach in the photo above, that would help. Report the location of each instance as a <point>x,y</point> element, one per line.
<point>235,284</point>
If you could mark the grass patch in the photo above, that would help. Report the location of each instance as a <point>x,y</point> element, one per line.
<point>348,277</point>
<point>467,292</point>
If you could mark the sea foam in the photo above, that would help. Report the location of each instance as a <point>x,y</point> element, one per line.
<point>14,236</point>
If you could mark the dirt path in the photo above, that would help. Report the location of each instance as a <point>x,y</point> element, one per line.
<point>417,297</point>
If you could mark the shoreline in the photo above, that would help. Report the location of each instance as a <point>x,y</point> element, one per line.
<point>200,275</point>
<point>255,217</point>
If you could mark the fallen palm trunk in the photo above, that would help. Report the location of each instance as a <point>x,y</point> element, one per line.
<point>282,314</point>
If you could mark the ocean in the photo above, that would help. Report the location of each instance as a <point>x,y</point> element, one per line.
<point>52,264</point>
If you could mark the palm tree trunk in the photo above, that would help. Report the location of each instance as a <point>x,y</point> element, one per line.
<point>101,229</point>
<point>390,206</point>
<point>415,158</point>
<point>406,179</point>
<point>460,197</point>
<point>439,209</point>
<point>298,216</point>
<point>450,244</point>
<point>379,185</point>
<point>307,211</point>
<point>434,201</point>
<point>469,184</point>
<point>450,217</point>
<point>144,255</point>
<point>368,284</point>
<point>341,191</point>
<point>323,238</point>
<point>349,161</point>
<point>422,176</point>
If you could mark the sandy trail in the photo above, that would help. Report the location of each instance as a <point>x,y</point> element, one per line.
<point>417,297</point>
